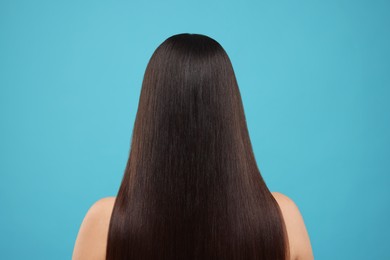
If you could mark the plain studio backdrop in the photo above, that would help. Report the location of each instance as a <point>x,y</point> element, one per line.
<point>315,82</point>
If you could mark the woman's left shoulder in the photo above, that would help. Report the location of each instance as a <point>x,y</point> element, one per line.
<point>91,239</point>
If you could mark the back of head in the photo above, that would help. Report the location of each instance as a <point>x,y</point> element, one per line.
<point>191,188</point>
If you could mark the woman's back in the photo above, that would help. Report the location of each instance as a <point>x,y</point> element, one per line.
<point>91,241</point>
<point>191,188</point>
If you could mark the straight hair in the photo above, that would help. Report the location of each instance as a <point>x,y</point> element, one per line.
<point>191,187</point>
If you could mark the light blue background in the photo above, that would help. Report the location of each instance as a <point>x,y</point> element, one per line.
<point>314,78</point>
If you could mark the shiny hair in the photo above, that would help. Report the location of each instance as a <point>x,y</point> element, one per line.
<point>191,187</point>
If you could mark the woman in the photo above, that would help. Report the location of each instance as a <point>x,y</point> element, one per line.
<point>191,188</point>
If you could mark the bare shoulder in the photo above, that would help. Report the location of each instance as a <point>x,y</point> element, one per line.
<point>91,239</point>
<point>300,246</point>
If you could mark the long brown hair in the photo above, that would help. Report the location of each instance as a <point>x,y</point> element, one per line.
<point>191,188</point>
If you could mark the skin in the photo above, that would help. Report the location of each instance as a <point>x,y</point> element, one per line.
<point>300,247</point>
<point>91,240</point>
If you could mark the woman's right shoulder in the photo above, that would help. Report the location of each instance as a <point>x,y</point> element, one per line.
<point>300,246</point>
